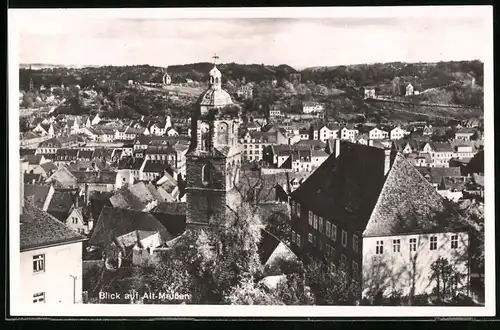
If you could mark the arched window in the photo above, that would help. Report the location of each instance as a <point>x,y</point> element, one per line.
<point>223,133</point>
<point>207,174</point>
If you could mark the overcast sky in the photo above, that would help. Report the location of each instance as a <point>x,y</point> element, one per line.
<point>300,42</point>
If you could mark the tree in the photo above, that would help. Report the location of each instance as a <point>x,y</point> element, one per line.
<point>249,293</point>
<point>446,278</point>
<point>331,285</point>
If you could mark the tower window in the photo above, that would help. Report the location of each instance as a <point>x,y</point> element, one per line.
<point>206,175</point>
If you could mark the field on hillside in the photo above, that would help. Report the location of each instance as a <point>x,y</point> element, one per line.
<point>395,111</point>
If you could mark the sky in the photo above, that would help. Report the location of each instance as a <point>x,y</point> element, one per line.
<point>86,39</point>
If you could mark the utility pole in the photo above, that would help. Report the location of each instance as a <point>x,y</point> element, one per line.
<point>74,288</point>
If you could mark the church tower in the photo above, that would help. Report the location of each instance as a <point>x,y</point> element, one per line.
<point>213,161</point>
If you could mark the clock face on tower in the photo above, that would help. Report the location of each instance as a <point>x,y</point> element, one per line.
<point>204,128</point>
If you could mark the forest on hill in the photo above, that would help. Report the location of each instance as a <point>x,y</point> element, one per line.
<point>337,87</point>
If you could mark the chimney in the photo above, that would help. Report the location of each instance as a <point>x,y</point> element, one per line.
<point>387,161</point>
<point>22,193</point>
<point>337,148</point>
<point>77,200</point>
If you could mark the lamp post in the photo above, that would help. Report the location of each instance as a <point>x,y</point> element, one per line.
<point>74,288</point>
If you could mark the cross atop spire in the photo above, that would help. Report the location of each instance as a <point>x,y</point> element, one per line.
<point>215,57</point>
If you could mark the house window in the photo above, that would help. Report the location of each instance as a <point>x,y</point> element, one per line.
<point>343,260</point>
<point>310,237</point>
<point>315,239</point>
<point>320,220</point>
<point>333,233</point>
<point>454,241</point>
<point>379,247</point>
<point>413,244</point>
<point>315,222</point>
<point>293,236</point>
<point>310,216</point>
<point>344,238</point>
<point>39,297</point>
<point>298,209</point>
<point>327,229</point>
<point>355,246</point>
<point>74,220</point>
<point>297,240</point>
<point>396,245</point>
<point>354,269</point>
<point>39,263</point>
<point>433,242</point>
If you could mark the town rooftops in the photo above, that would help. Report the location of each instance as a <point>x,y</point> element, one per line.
<point>114,223</point>
<point>441,146</point>
<point>40,229</point>
<point>24,152</point>
<point>105,177</point>
<point>315,144</point>
<point>466,130</point>
<point>435,174</point>
<point>408,204</point>
<point>72,153</point>
<point>31,178</point>
<point>130,163</point>
<point>33,159</point>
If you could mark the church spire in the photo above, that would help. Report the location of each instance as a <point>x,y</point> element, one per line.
<point>215,75</point>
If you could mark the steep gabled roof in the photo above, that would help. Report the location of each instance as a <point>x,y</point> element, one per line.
<point>344,188</point>
<point>39,229</point>
<point>407,204</point>
<point>114,223</point>
<point>61,203</point>
<point>37,193</point>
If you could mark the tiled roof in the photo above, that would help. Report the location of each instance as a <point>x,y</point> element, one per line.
<point>267,245</point>
<point>39,229</point>
<point>108,177</point>
<point>114,223</point>
<point>346,187</point>
<point>466,130</point>
<point>103,153</point>
<point>437,173</point>
<point>407,204</point>
<point>25,152</point>
<point>36,193</point>
<point>156,167</point>
<point>172,216</point>
<point>47,167</point>
<point>316,144</point>
<point>441,146</point>
<point>61,203</point>
<point>130,163</point>
<point>67,152</point>
<point>86,154</point>
<point>33,159</point>
<point>30,178</point>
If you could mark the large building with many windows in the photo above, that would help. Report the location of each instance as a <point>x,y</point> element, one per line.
<point>364,209</point>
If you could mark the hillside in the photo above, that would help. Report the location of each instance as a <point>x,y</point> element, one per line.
<point>428,75</point>
<point>45,74</point>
